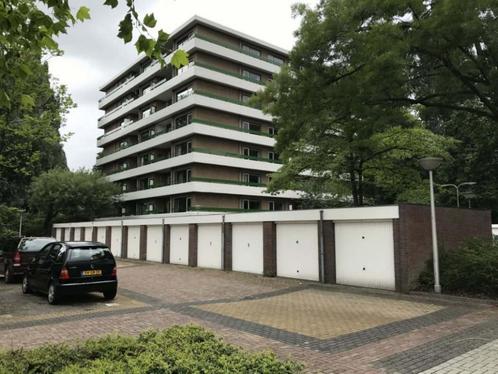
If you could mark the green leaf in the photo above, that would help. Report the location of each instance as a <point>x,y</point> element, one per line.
<point>25,69</point>
<point>126,29</point>
<point>150,20</point>
<point>83,13</point>
<point>145,45</point>
<point>47,42</point>
<point>27,102</point>
<point>179,59</point>
<point>111,3</point>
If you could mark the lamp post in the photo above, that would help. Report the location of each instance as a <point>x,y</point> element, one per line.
<point>430,164</point>
<point>20,222</point>
<point>457,187</point>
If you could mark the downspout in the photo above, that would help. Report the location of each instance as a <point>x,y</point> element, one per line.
<point>320,249</point>
<point>223,242</point>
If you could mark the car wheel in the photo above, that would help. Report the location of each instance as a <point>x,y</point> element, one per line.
<point>111,294</point>
<point>52,296</point>
<point>8,276</point>
<point>25,285</point>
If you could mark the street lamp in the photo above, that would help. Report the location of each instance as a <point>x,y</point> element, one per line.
<point>20,221</point>
<point>457,187</point>
<point>430,164</point>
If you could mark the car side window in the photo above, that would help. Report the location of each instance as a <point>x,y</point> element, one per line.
<point>53,253</point>
<point>44,252</point>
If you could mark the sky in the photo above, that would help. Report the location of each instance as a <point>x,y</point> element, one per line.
<point>93,54</point>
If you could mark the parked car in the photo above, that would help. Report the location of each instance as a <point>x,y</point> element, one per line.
<point>14,259</point>
<point>68,268</point>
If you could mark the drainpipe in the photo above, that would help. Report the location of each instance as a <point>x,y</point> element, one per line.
<point>320,249</point>
<point>223,242</point>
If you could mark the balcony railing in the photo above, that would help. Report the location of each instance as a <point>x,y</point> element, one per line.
<point>233,48</point>
<point>224,98</point>
<point>227,181</point>
<point>230,154</point>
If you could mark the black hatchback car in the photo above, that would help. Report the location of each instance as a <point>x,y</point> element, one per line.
<point>67,268</point>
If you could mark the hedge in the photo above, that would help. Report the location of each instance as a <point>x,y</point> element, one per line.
<point>471,269</point>
<point>180,349</point>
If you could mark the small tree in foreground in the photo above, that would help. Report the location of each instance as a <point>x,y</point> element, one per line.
<point>66,195</point>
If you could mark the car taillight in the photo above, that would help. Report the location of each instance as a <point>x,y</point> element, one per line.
<point>17,258</point>
<point>64,274</point>
<point>114,271</point>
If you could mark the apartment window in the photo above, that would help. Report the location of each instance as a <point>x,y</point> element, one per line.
<point>245,98</point>
<point>185,93</point>
<point>183,148</point>
<point>147,89</point>
<point>251,205</point>
<point>148,134</point>
<point>183,39</point>
<point>123,144</point>
<point>167,179</point>
<point>151,182</point>
<point>275,60</point>
<point>183,120</point>
<point>148,112</point>
<point>272,156</point>
<point>272,205</point>
<point>251,75</point>
<point>147,158</point>
<point>183,176</point>
<point>272,131</point>
<point>248,126</point>
<point>124,187</point>
<point>251,153</point>
<point>251,50</point>
<point>182,204</point>
<point>126,122</point>
<point>124,166</point>
<point>251,178</point>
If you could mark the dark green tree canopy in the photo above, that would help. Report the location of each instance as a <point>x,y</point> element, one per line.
<point>71,196</point>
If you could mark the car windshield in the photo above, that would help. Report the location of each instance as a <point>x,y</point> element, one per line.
<point>89,254</point>
<point>34,244</point>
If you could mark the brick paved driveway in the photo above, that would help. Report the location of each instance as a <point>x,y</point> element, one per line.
<point>329,329</point>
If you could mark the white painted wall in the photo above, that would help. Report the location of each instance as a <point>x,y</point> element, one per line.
<point>179,244</point>
<point>101,234</point>
<point>88,234</point>
<point>365,254</point>
<point>58,233</point>
<point>77,234</point>
<point>247,247</point>
<point>297,250</point>
<point>209,246</point>
<point>116,241</point>
<point>134,242</point>
<point>155,243</point>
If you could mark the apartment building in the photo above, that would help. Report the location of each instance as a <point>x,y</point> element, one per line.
<point>187,139</point>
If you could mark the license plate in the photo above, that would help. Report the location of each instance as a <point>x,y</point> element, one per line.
<point>91,273</point>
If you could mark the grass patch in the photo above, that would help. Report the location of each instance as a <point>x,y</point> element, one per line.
<point>180,349</point>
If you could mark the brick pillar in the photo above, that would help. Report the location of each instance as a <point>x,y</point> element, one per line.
<point>329,265</point>
<point>227,247</point>
<point>143,243</point>
<point>192,245</point>
<point>124,242</point>
<point>63,233</point>
<point>82,234</point>
<point>94,233</point>
<point>54,232</point>
<point>71,233</point>
<point>166,243</point>
<point>398,257</point>
<point>108,236</point>
<point>269,249</point>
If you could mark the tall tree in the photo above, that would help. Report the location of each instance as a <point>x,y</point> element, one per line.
<point>30,142</point>
<point>73,196</point>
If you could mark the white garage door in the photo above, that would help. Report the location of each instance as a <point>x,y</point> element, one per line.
<point>116,241</point>
<point>365,254</point>
<point>155,243</point>
<point>297,250</point>
<point>77,234</point>
<point>247,247</point>
<point>209,246</point>
<point>101,234</point>
<point>179,244</point>
<point>88,234</point>
<point>134,242</point>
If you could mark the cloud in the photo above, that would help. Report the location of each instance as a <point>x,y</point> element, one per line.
<point>93,53</point>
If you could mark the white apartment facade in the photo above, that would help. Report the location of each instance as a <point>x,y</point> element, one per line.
<point>187,139</point>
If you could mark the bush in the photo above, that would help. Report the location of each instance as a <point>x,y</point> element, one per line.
<point>180,349</point>
<point>472,269</point>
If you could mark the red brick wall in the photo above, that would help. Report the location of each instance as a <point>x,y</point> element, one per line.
<point>414,242</point>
